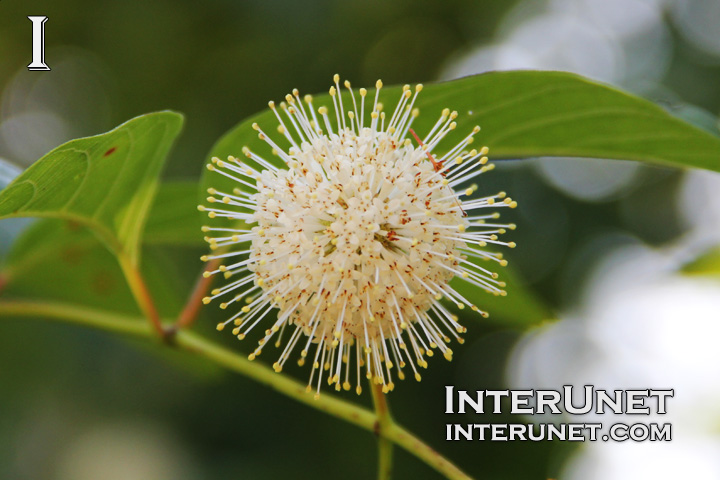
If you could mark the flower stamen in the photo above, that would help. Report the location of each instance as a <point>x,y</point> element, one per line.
<point>356,240</point>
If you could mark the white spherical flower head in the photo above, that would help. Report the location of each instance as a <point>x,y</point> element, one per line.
<point>356,240</point>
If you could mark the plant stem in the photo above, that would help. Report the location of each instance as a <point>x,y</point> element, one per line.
<point>79,315</point>
<point>424,452</point>
<point>192,307</point>
<point>192,343</point>
<point>197,345</point>
<point>384,421</point>
<point>327,403</point>
<point>142,295</point>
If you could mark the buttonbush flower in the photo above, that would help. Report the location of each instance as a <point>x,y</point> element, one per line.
<point>355,241</point>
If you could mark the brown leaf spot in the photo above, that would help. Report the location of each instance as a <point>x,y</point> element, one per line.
<point>73,225</point>
<point>110,151</point>
<point>103,282</point>
<point>72,255</point>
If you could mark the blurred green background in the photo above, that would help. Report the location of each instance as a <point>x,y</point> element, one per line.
<point>78,404</point>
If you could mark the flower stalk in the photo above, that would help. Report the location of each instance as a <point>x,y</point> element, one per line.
<point>142,296</point>
<point>192,308</point>
<point>384,420</point>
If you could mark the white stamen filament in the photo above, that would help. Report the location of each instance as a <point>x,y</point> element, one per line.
<point>357,240</point>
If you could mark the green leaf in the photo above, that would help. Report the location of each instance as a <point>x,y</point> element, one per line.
<point>52,254</point>
<point>527,114</point>
<point>64,261</point>
<point>173,218</point>
<point>697,116</point>
<point>106,182</point>
<point>707,263</point>
<point>520,307</point>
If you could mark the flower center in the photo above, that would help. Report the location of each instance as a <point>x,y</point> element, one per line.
<point>373,228</point>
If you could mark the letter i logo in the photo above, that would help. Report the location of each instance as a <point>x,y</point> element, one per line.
<point>38,35</point>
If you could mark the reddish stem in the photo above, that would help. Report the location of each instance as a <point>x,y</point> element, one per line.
<point>192,307</point>
<point>144,298</point>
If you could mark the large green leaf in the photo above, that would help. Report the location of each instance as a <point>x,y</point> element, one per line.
<point>106,182</point>
<point>521,307</point>
<point>173,218</point>
<point>707,263</point>
<point>528,114</point>
<point>697,116</point>
<point>64,261</point>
